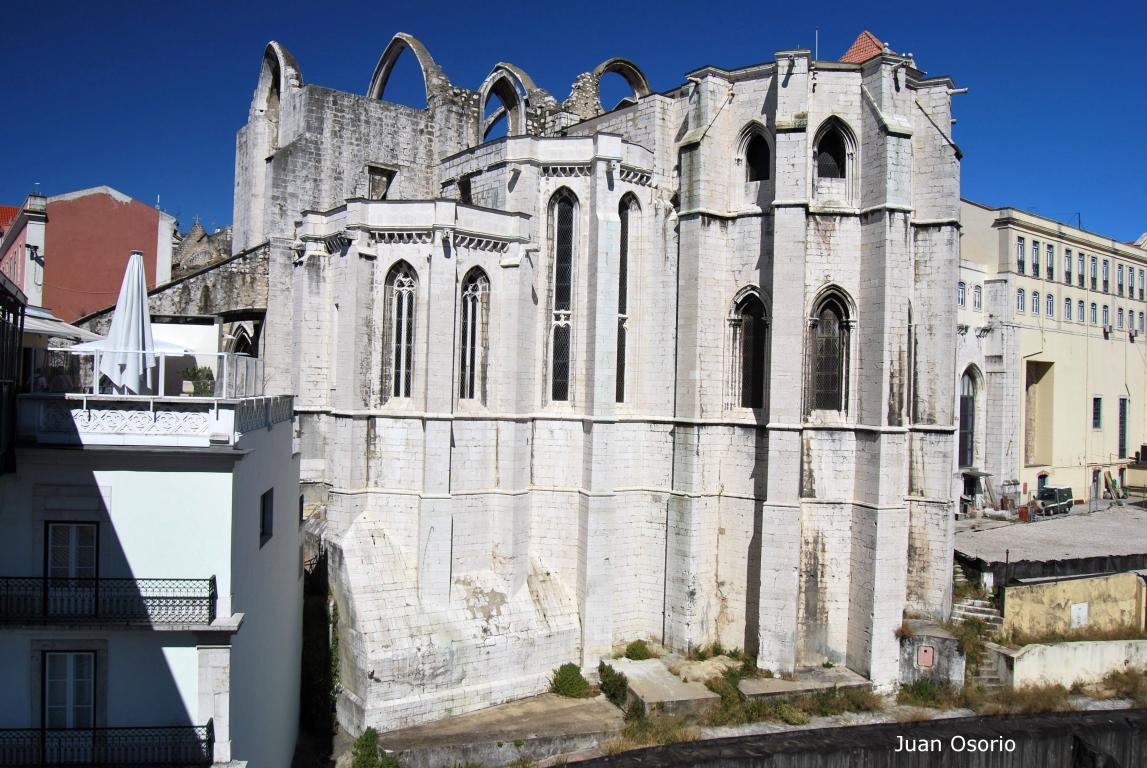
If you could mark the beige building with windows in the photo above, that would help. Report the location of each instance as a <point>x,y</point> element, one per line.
<point>1051,360</point>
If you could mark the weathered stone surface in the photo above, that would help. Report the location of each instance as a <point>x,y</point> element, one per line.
<point>484,525</point>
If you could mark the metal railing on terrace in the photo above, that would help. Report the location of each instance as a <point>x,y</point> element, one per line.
<point>33,600</point>
<point>190,745</point>
<point>218,375</point>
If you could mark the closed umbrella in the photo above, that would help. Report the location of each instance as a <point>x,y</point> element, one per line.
<point>130,355</point>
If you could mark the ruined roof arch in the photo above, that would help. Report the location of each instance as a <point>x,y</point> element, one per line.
<point>629,71</point>
<point>278,72</point>
<point>432,75</point>
<point>512,92</point>
<point>585,98</point>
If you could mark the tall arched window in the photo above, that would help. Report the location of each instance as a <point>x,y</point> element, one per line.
<point>967,419</point>
<point>758,160</point>
<point>401,290</point>
<point>829,348</point>
<point>628,212</point>
<point>831,154</point>
<point>563,231</point>
<point>475,339</point>
<point>750,343</point>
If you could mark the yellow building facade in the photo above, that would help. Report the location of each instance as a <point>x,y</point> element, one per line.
<point>1051,357</point>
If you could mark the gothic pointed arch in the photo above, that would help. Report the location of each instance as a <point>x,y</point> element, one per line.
<point>828,353</point>
<point>241,343</point>
<point>509,90</point>
<point>433,77</point>
<point>399,319</point>
<point>755,152</point>
<point>278,72</point>
<point>563,235</point>
<point>749,334</point>
<point>474,336</point>
<point>971,396</point>
<point>834,162</point>
<point>629,217</point>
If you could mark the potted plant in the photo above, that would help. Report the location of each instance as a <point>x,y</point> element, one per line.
<point>199,381</point>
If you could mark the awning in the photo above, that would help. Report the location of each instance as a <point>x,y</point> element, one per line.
<point>41,321</point>
<point>975,473</point>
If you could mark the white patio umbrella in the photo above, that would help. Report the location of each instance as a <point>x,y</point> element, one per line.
<point>129,358</point>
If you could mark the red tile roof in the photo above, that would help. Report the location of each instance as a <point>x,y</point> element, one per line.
<point>8,214</point>
<point>863,48</point>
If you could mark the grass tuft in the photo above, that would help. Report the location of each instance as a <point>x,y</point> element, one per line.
<point>1129,683</point>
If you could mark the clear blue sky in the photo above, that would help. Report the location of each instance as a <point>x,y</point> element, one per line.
<point>147,97</point>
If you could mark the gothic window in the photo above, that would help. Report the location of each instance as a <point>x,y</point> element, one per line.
<point>1050,302</point>
<point>967,419</point>
<point>628,212</point>
<point>977,298</point>
<point>831,155</point>
<point>1067,309</point>
<point>563,228</point>
<point>960,291</point>
<point>1020,300</point>
<point>475,340</point>
<point>1106,315</point>
<point>829,351</point>
<point>401,291</point>
<point>1094,315</point>
<point>1035,303</point>
<point>1079,316</point>
<point>758,160</point>
<point>750,345</point>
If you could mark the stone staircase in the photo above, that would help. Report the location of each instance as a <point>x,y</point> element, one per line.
<point>975,608</point>
<point>986,677</point>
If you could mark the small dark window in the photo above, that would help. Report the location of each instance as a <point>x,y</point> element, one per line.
<point>830,155</point>
<point>1097,413</point>
<point>379,181</point>
<point>266,516</point>
<point>464,193</point>
<point>757,159</point>
<point>301,508</point>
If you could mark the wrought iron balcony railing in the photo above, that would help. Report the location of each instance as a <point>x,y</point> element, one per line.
<point>190,745</point>
<point>32,600</point>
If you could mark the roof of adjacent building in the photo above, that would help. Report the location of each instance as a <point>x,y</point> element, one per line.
<point>8,214</point>
<point>1114,531</point>
<point>863,48</point>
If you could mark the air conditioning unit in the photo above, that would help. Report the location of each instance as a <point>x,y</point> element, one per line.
<point>1132,333</point>
<point>1107,330</point>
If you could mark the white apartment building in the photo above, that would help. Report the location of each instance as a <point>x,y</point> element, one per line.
<point>151,586</point>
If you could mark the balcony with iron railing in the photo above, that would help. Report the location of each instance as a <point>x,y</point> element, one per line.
<point>168,746</point>
<point>169,603</point>
<point>198,400</point>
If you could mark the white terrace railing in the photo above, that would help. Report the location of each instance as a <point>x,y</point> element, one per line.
<point>216,375</point>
